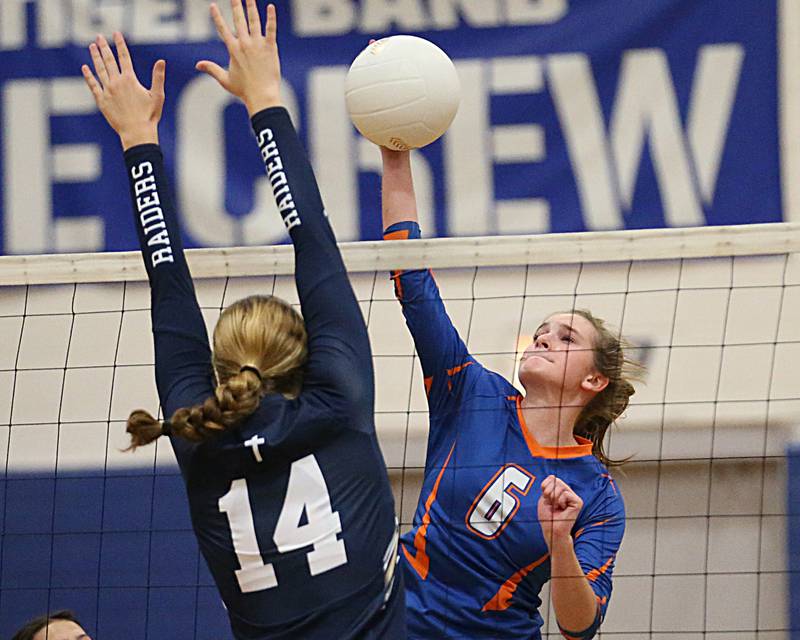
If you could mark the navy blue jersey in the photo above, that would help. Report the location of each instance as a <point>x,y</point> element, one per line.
<point>292,510</point>
<point>476,560</point>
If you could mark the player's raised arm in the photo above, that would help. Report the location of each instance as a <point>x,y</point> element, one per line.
<point>337,339</point>
<point>438,344</point>
<point>183,359</point>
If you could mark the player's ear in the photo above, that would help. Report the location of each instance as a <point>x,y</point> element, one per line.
<point>595,382</point>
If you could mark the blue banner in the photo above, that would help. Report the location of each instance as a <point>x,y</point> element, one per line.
<point>575,115</point>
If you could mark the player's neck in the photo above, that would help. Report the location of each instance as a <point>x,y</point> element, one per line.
<point>549,423</point>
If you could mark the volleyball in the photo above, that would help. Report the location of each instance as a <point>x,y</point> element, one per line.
<point>402,92</point>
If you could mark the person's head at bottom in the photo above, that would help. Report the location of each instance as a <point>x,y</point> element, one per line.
<point>260,347</point>
<point>60,625</point>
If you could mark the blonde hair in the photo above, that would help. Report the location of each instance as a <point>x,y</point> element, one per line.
<point>260,346</point>
<point>608,405</point>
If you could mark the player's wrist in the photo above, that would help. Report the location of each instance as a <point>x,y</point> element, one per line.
<point>561,541</point>
<point>259,102</point>
<point>395,159</point>
<point>141,134</point>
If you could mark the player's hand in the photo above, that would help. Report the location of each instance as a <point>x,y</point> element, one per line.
<point>132,110</point>
<point>558,509</point>
<point>254,71</point>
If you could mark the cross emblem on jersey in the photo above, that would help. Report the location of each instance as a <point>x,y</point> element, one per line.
<point>253,443</point>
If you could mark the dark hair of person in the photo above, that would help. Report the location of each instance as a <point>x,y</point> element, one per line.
<point>37,624</point>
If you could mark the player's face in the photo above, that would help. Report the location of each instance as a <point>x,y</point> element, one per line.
<point>62,630</point>
<point>561,354</point>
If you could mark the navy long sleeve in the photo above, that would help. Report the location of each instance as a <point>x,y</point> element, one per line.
<point>339,354</point>
<point>182,353</point>
<point>292,508</point>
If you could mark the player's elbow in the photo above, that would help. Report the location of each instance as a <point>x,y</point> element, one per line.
<point>588,633</point>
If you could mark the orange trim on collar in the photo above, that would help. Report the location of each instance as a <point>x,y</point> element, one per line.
<point>583,448</point>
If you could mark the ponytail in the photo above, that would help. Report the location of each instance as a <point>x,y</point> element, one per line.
<point>260,346</point>
<point>608,405</point>
<point>234,400</point>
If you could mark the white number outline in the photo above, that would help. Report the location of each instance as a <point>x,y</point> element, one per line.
<point>305,491</point>
<point>500,487</point>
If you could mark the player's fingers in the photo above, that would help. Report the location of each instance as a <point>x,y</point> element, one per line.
<point>158,78</point>
<point>549,484</point>
<point>239,21</point>
<point>253,18</point>
<point>215,71</point>
<point>125,61</point>
<point>222,27</point>
<point>91,82</point>
<point>108,56</point>
<point>272,24</point>
<point>99,65</point>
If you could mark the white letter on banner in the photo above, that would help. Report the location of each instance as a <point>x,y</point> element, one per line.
<point>13,24</point>
<point>713,96</point>
<point>646,108</point>
<point>519,143</point>
<point>470,182</point>
<point>323,17</point>
<point>52,23</point>
<point>201,174</point>
<point>475,13</point>
<point>27,201</point>
<point>89,19</point>
<point>29,226</point>
<point>578,106</point>
<point>331,146</point>
<point>197,20</point>
<point>156,21</point>
<point>382,15</point>
<point>524,12</point>
<point>606,167</point>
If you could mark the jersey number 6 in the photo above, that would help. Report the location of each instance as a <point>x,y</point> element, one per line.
<point>306,491</point>
<point>495,505</point>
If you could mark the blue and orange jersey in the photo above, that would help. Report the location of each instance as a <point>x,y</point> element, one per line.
<point>476,560</point>
<point>300,541</point>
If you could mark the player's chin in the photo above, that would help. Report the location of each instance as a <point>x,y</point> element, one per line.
<point>535,365</point>
<point>535,372</point>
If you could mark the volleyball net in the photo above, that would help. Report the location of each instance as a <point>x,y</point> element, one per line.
<point>714,314</point>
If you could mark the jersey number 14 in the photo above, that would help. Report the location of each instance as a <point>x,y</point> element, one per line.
<point>306,492</point>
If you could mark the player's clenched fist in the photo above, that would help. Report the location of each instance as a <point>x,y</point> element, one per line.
<point>254,72</point>
<point>559,507</point>
<point>132,110</point>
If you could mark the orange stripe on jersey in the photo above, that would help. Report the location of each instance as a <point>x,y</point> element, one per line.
<point>581,531</point>
<point>611,481</point>
<point>583,448</point>
<point>402,234</point>
<point>428,383</point>
<point>421,561</point>
<point>594,574</point>
<point>454,371</point>
<point>398,284</point>
<point>502,599</point>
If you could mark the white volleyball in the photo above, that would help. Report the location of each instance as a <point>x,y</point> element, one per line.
<point>402,92</point>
